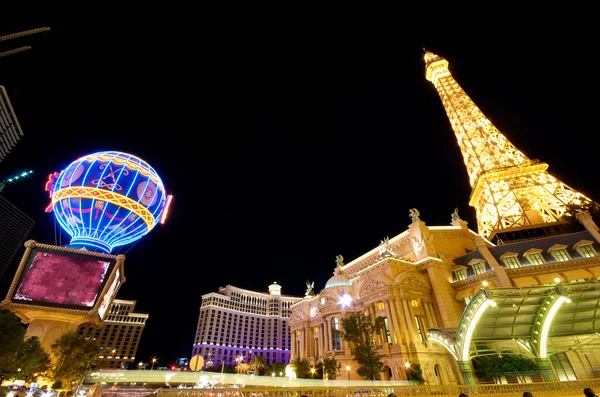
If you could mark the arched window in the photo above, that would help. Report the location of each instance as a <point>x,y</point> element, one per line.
<point>336,343</point>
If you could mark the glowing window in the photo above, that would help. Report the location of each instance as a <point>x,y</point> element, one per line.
<point>460,274</point>
<point>387,330</point>
<point>336,342</point>
<point>561,255</point>
<point>587,251</point>
<point>478,268</point>
<point>512,262</point>
<point>419,328</point>
<point>535,259</point>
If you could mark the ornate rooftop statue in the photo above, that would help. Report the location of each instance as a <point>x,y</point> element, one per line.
<point>384,249</point>
<point>310,288</point>
<point>339,260</point>
<point>414,214</point>
<point>455,216</point>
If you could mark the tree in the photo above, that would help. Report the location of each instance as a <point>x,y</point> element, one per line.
<point>32,359</point>
<point>12,333</point>
<point>495,366</point>
<point>275,368</point>
<point>415,372</point>
<point>57,385</point>
<point>73,355</point>
<point>18,356</point>
<point>360,329</point>
<point>242,368</point>
<point>257,364</point>
<point>331,368</point>
<point>301,367</point>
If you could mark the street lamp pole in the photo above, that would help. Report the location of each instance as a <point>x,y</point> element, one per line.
<point>407,365</point>
<point>153,362</point>
<point>348,369</point>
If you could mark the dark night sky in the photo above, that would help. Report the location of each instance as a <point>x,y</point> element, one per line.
<point>284,144</point>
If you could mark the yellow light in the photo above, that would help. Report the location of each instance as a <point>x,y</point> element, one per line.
<point>407,364</point>
<point>509,189</point>
<point>546,326</point>
<point>108,196</point>
<point>485,283</point>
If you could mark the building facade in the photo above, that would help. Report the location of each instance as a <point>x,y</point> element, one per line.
<point>236,324</point>
<point>15,229</point>
<point>525,284</point>
<point>10,129</point>
<point>119,337</point>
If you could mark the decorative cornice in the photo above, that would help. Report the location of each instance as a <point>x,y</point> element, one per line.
<point>352,269</point>
<point>435,264</point>
<point>554,266</point>
<point>449,233</point>
<point>475,279</point>
<point>74,250</point>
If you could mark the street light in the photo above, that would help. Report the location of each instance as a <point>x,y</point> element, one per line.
<point>407,365</point>
<point>312,371</point>
<point>250,360</point>
<point>348,369</point>
<point>154,360</point>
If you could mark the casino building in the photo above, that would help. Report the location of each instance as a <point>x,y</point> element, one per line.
<point>524,284</point>
<point>120,334</point>
<point>237,324</point>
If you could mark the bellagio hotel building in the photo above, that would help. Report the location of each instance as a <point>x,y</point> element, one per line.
<point>236,323</point>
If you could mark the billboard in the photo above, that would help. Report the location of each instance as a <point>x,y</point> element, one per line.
<point>62,279</point>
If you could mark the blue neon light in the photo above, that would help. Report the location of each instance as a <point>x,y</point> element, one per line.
<point>108,199</point>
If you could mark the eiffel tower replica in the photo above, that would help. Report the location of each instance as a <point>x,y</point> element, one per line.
<point>514,196</point>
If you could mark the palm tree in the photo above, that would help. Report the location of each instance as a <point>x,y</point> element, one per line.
<point>257,364</point>
<point>242,368</point>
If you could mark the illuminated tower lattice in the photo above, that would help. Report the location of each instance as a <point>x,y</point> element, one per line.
<point>509,189</point>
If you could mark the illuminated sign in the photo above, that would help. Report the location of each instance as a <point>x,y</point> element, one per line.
<point>107,199</point>
<point>62,279</point>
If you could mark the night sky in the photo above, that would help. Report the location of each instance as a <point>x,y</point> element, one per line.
<point>284,144</point>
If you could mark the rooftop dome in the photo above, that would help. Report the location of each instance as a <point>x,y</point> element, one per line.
<point>339,278</point>
<point>275,289</point>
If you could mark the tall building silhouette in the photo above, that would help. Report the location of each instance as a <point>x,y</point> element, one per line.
<point>15,229</point>
<point>10,129</point>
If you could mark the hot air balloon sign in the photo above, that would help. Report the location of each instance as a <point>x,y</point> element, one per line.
<point>107,199</point>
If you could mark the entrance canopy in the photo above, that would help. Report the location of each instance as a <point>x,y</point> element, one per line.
<point>529,315</point>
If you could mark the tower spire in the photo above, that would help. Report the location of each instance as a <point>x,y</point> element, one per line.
<point>509,189</point>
